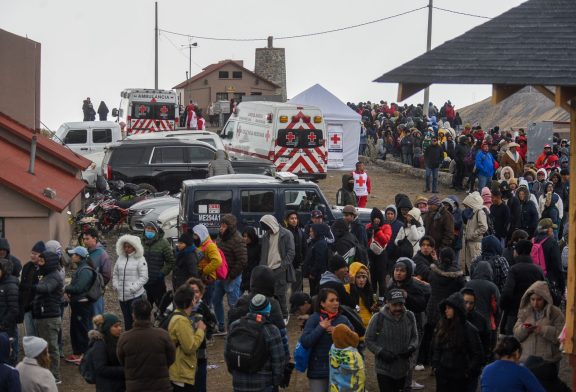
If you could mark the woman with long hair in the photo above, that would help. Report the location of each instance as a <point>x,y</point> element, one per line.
<point>108,372</point>
<point>457,355</point>
<point>34,368</point>
<point>317,338</point>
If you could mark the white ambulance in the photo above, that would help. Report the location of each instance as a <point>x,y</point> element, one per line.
<point>147,110</point>
<point>292,136</point>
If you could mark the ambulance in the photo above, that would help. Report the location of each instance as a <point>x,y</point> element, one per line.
<point>147,110</point>
<point>292,136</point>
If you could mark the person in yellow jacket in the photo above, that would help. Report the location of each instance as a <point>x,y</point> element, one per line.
<point>187,336</point>
<point>210,259</point>
<point>361,292</point>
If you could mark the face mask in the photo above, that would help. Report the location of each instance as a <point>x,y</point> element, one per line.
<point>149,234</point>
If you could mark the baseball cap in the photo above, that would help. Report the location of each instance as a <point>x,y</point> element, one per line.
<point>316,214</point>
<point>80,251</point>
<point>547,146</point>
<point>396,296</point>
<point>349,210</point>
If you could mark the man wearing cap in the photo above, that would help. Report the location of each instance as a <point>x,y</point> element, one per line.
<point>392,337</point>
<point>513,159</point>
<point>484,163</point>
<point>356,228</point>
<point>545,237</point>
<point>361,184</point>
<point>546,159</point>
<point>433,157</point>
<point>346,195</point>
<point>439,223</point>
<point>80,306</point>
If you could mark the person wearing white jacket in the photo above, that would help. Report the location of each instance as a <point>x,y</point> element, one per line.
<point>130,274</point>
<point>413,230</point>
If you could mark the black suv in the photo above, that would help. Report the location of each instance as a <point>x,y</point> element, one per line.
<point>162,164</point>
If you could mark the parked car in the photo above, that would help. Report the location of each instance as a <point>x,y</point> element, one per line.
<point>202,136</point>
<point>148,210</point>
<point>163,163</point>
<point>91,173</point>
<point>87,137</point>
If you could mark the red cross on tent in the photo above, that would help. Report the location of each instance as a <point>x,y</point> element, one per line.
<point>312,137</point>
<point>290,137</point>
<point>335,138</point>
<point>360,181</point>
<point>142,109</point>
<point>163,109</point>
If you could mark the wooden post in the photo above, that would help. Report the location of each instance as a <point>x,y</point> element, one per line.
<point>570,344</point>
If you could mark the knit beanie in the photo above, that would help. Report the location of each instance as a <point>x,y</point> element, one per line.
<point>434,201</point>
<point>343,337</point>
<point>420,199</point>
<point>33,346</point>
<point>186,238</point>
<point>260,304</point>
<point>55,247</point>
<point>109,319</point>
<point>336,262</point>
<point>39,247</point>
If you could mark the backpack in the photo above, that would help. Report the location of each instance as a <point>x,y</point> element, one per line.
<point>301,357</point>
<point>489,222</point>
<point>86,367</point>
<point>97,286</point>
<point>537,254</point>
<point>168,314</point>
<point>164,313</point>
<point>246,349</point>
<point>222,271</point>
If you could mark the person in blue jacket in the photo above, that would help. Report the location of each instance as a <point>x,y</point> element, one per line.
<point>9,376</point>
<point>484,166</point>
<point>317,338</point>
<point>505,374</point>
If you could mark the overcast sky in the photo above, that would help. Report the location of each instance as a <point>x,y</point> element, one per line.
<point>97,49</point>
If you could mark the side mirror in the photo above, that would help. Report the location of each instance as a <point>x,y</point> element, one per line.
<point>114,112</point>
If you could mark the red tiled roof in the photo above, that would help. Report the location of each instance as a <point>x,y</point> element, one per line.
<point>14,162</point>
<point>57,150</point>
<point>214,67</point>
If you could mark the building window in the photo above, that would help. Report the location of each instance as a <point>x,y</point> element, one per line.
<point>223,75</point>
<point>256,93</point>
<point>221,96</point>
<point>2,230</point>
<point>237,75</point>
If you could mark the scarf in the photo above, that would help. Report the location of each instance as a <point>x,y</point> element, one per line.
<point>365,293</point>
<point>330,316</point>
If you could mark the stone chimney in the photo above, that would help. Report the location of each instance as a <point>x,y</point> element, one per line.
<point>271,65</point>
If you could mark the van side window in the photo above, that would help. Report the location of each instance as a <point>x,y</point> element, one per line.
<point>257,201</point>
<point>200,154</point>
<point>168,155</point>
<point>102,136</point>
<point>213,202</point>
<point>302,200</point>
<point>76,136</point>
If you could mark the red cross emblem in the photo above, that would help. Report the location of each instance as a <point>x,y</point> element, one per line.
<point>290,137</point>
<point>311,137</point>
<point>164,109</point>
<point>267,135</point>
<point>361,182</point>
<point>142,109</point>
<point>335,138</point>
<point>153,100</point>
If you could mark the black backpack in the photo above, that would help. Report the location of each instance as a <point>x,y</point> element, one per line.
<point>246,349</point>
<point>97,287</point>
<point>86,367</point>
<point>164,313</point>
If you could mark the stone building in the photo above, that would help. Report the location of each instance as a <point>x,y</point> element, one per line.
<point>271,64</point>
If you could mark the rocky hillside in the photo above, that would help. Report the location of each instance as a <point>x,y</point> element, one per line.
<point>518,110</point>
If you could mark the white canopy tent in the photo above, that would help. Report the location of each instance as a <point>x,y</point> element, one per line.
<point>342,126</point>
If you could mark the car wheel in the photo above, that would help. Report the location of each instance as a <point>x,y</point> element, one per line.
<point>147,187</point>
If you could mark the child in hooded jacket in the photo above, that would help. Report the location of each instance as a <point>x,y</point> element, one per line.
<point>347,372</point>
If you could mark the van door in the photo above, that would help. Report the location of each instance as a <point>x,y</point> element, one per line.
<point>254,204</point>
<point>169,168</point>
<point>99,138</point>
<point>206,206</point>
<point>77,140</point>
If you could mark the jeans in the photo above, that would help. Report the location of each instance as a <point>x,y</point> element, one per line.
<point>200,379</point>
<point>230,288</point>
<point>208,294</point>
<point>432,174</point>
<point>483,181</point>
<point>48,330</point>
<point>80,324</point>
<point>298,285</point>
<point>29,328</point>
<point>98,306</point>
<point>126,307</point>
<point>389,384</point>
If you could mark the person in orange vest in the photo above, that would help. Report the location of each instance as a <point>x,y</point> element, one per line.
<point>361,184</point>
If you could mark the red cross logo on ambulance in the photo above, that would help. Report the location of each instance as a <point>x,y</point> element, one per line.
<point>290,137</point>
<point>164,109</point>
<point>142,109</point>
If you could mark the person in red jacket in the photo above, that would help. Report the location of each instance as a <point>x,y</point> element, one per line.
<point>523,149</point>
<point>547,159</point>
<point>380,233</point>
<point>361,184</point>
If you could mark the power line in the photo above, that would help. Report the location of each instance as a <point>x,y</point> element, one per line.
<point>179,49</point>
<point>461,13</point>
<point>298,35</point>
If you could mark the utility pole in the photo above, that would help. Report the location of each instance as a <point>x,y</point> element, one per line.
<point>428,47</point>
<point>190,46</point>
<point>156,48</point>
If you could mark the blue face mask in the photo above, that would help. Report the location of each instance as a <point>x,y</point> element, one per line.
<point>149,234</point>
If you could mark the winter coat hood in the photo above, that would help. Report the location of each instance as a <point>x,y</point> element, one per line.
<point>52,263</point>
<point>506,169</point>
<point>4,245</point>
<point>483,271</point>
<point>456,200</point>
<point>474,201</point>
<point>404,202</point>
<point>220,154</point>
<point>202,232</point>
<point>339,228</point>
<point>541,171</point>
<point>132,240</point>
<point>329,277</point>
<point>271,222</point>
<point>456,301</point>
<point>541,288</point>
<point>159,231</point>
<point>4,347</point>
<point>262,281</point>
<point>356,267</point>
<point>415,213</point>
<point>409,266</point>
<point>346,182</point>
<point>491,246</point>
<point>321,230</point>
<point>377,213</point>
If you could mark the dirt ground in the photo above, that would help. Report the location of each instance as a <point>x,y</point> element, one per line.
<point>384,186</point>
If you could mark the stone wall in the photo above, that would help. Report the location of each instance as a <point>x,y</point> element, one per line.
<point>271,65</point>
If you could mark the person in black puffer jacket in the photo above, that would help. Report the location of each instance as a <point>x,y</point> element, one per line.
<point>104,339</point>
<point>28,282</point>
<point>457,351</point>
<point>186,265</point>
<point>46,306</point>
<point>253,249</point>
<point>316,261</point>
<point>9,308</point>
<point>160,260</point>
<point>5,254</point>
<point>520,277</point>
<point>292,224</point>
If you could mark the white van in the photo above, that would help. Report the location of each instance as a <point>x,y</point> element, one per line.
<point>87,137</point>
<point>291,136</point>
